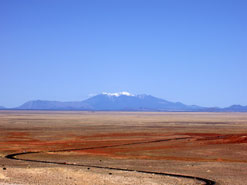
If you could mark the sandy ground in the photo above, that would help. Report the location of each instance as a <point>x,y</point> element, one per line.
<point>213,146</point>
<point>28,173</point>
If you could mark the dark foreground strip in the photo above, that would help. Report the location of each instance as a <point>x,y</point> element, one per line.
<point>13,156</point>
<point>127,144</point>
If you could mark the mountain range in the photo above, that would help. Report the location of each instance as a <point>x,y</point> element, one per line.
<point>123,101</point>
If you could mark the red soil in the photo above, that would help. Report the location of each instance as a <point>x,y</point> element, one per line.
<point>19,141</point>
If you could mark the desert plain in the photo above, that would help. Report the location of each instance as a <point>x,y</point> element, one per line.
<point>122,148</point>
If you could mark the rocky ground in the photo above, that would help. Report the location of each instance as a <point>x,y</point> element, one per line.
<point>19,173</point>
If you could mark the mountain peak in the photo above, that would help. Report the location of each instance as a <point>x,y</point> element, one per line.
<point>118,94</point>
<point>123,101</point>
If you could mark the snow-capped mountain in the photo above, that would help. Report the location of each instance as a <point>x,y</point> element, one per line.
<point>124,101</point>
<point>127,101</point>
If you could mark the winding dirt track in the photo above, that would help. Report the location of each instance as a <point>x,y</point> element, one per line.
<point>14,157</point>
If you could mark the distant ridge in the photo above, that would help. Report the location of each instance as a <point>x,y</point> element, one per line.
<point>50,105</point>
<point>1,108</point>
<point>124,101</point>
<point>236,108</point>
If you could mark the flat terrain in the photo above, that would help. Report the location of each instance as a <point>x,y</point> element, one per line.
<point>96,148</point>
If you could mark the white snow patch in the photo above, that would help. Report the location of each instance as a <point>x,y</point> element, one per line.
<point>118,94</point>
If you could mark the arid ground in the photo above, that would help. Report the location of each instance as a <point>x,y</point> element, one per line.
<point>148,148</point>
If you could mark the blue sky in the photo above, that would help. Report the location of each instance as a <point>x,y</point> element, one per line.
<point>190,51</point>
